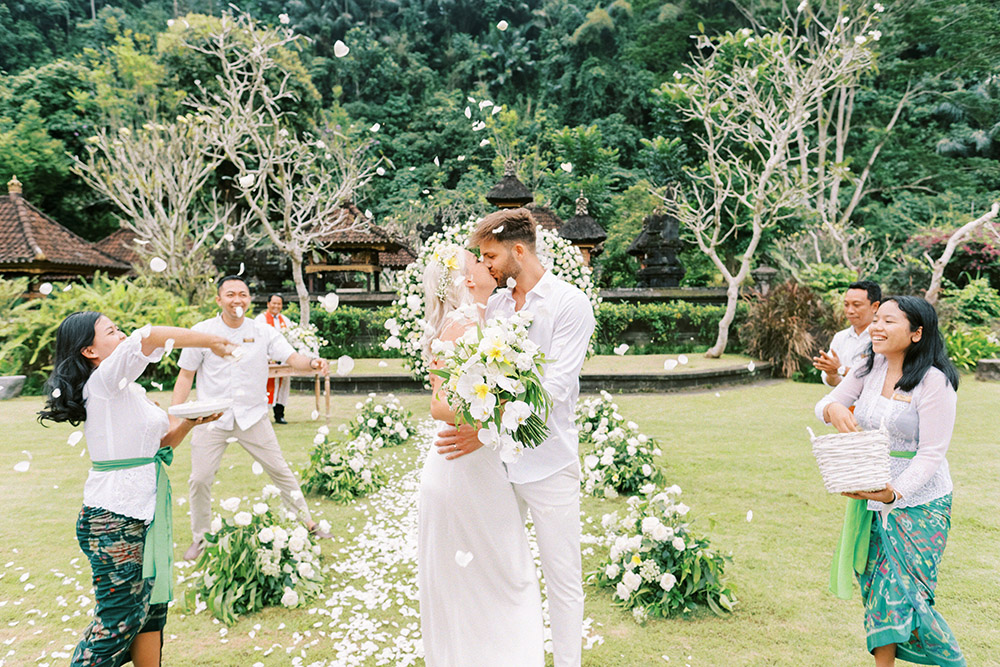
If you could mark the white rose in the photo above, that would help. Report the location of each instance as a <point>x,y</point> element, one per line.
<point>649,524</point>
<point>682,509</point>
<point>216,524</point>
<point>325,430</point>
<point>260,508</point>
<point>678,543</point>
<point>300,532</point>
<point>647,470</point>
<point>230,504</point>
<point>612,570</point>
<point>270,491</point>
<point>306,571</point>
<point>372,423</point>
<point>265,535</point>
<point>591,461</point>
<point>632,580</point>
<point>609,492</point>
<point>414,302</point>
<point>622,590</point>
<point>667,581</point>
<point>366,476</point>
<point>319,439</point>
<point>296,544</point>
<point>290,598</point>
<point>661,533</point>
<point>631,450</point>
<point>243,518</point>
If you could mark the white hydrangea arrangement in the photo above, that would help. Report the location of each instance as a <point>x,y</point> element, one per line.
<point>407,327</point>
<point>305,339</point>
<point>342,471</point>
<point>256,557</point>
<point>617,458</point>
<point>387,422</point>
<point>656,566</point>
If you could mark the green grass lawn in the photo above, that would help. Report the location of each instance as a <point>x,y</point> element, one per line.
<point>609,363</point>
<point>731,451</point>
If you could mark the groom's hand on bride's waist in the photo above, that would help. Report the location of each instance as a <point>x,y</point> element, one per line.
<point>453,442</point>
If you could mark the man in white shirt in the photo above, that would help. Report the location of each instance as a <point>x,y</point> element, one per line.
<point>546,479</point>
<point>243,380</point>
<point>849,347</point>
<point>277,388</point>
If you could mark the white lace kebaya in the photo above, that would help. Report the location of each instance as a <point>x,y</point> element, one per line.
<point>919,421</point>
<point>122,423</point>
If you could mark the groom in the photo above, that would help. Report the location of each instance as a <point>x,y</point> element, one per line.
<point>546,479</point>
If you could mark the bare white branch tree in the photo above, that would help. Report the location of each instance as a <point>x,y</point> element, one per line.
<point>293,188</point>
<point>156,176</point>
<point>755,97</point>
<point>938,265</point>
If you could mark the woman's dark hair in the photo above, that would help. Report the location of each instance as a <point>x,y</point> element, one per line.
<point>926,352</point>
<point>70,370</point>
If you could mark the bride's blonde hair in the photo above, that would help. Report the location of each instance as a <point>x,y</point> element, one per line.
<point>444,291</point>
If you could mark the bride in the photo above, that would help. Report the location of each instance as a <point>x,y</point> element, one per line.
<point>479,598</point>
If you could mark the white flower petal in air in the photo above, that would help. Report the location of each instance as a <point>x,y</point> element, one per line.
<point>257,468</point>
<point>496,110</point>
<point>463,558</point>
<point>340,49</point>
<point>57,392</point>
<point>122,383</point>
<point>45,288</point>
<point>380,171</point>
<point>157,264</point>
<point>749,516</point>
<point>314,415</point>
<point>242,269</point>
<point>437,162</point>
<point>503,25</point>
<point>498,229</point>
<point>376,127</point>
<point>468,112</point>
<point>682,359</point>
<point>669,364</point>
<point>566,166</point>
<point>239,311</point>
<point>329,302</point>
<point>168,345</point>
<point>68,287</point>
<point>383,364</point>
<point>74,438</point>
<point>461,158</point>
<point>230,504</point>
<point>472,100</point>
<point>511,283</point>
<point>621,349</point>
<point>246,180</point>
<point>22,466</point>
<point>344,365</point>
<point>484,104</point>
<point>751,366</point>
<point>484,142</point>
<point>283,19</point>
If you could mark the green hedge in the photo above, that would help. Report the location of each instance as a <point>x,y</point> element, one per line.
<point>357,332</point>
<point>674,326</point>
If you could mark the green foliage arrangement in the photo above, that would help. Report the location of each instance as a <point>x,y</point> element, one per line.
<point>618,459</point>
<point>657,566</point>
<point>342,471</point>
<point>386,422</point>
<point>255,559</point>
<point>787,326</point>
<point>675,326</point>
<point>30,327</point>
<point>967,345</point>
<point>977,303</point>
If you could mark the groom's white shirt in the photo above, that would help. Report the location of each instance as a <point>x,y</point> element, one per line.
<point>562,325</point>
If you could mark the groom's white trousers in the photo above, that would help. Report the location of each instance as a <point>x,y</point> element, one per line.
<point>555,510</point>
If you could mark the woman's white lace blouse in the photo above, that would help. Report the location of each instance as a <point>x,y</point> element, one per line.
<point>122,423</point>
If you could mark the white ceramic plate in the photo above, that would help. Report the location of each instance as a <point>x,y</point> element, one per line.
<point>195,409</point>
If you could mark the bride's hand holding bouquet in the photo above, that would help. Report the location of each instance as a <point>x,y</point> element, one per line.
<point>492,379</point>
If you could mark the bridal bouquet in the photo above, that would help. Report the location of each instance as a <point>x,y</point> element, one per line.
<point>492,375</point>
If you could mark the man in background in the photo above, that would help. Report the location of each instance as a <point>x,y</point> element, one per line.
<point>277,388</point>
<point>849,347</point>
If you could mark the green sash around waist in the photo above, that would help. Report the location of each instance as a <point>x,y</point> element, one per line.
<point>158,551</point>
<point>852,551</point>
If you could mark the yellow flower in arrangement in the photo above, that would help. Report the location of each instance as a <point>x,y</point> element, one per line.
<point>481,390</point>
<point>495,350</point>
<point>636,560</point>
<point>451,262</point>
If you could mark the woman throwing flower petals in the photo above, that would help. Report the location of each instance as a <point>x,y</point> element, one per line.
<point>124,528</point>
<point>893,539</point>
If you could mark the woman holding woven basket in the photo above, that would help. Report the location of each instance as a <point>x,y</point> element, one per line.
<point>894,538</point>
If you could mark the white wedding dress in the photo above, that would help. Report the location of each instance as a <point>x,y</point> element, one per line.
<point>479,598</point>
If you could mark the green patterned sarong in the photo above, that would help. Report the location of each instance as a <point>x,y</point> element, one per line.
<point>899,581</point>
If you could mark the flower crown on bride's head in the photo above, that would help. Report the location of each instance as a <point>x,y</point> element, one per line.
<point>447,259</point>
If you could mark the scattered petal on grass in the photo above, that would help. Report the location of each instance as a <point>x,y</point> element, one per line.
<point>682,358</point>
<point>669,364</point>
<point>749,516</point>
<point>383,364</point>
<point>158,264</point>
<point>22,466</point>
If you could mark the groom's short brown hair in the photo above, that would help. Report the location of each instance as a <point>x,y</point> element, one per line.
<point>509,225</point>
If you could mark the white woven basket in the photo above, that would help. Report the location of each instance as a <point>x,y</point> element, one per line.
<point>852,461</point>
